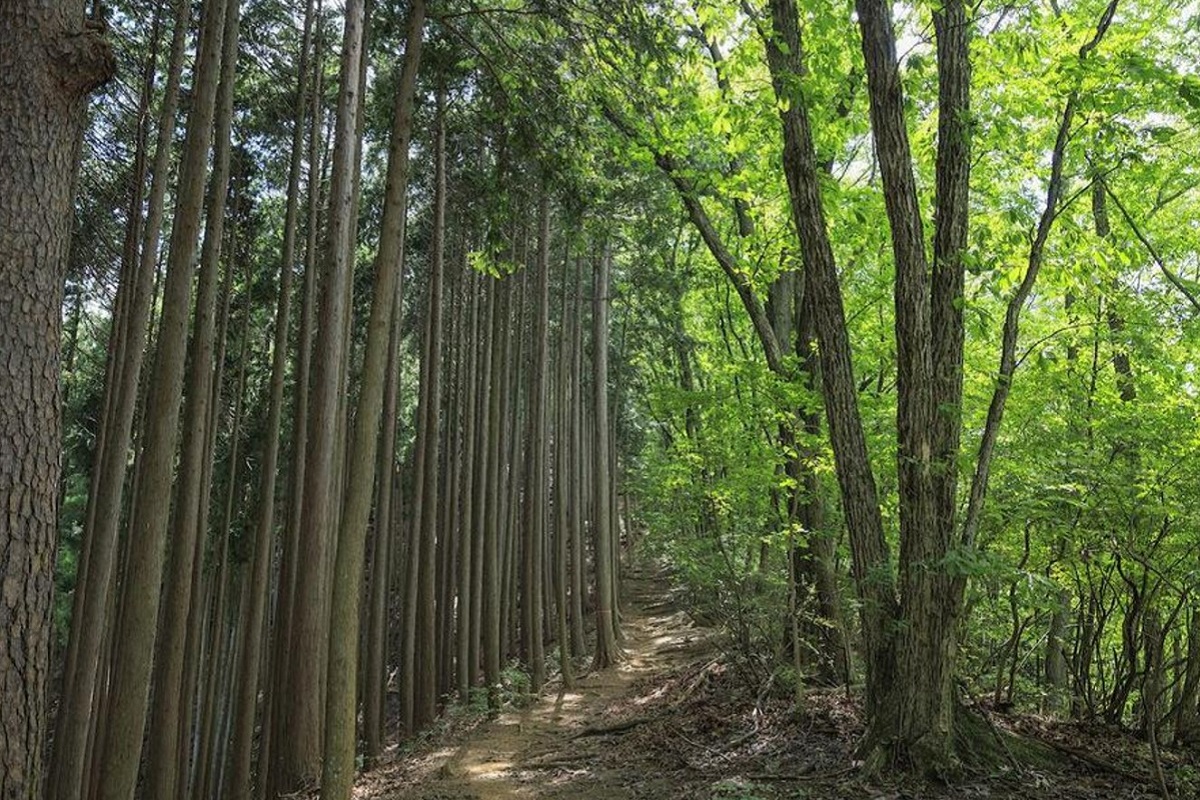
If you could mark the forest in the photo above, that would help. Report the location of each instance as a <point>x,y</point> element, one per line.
<point>719,399</point>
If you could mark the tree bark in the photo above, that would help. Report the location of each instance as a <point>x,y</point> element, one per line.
<point>871,560</point>
<point>141,594</point>
<point>52,60</point>
<point>165,757</point>
<point>533,523</point>
<point>298,738</point>
<point>274,700</point>
<point>465,633</point>
<point>340,717</point>
<point>606,640</point>
<point>425,700</point>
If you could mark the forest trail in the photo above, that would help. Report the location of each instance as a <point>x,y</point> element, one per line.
<point>543,750</point>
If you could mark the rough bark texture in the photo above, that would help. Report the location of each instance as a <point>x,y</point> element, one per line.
<point>50,62</point>
<point>871,561</point>
<point>918,723</point>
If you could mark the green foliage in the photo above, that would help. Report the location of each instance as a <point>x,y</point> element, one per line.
<point>736,789</point>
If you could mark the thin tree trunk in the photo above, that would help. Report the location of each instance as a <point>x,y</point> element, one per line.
<point>562,531</point>
<point>274,700</point>
<point>606,641</point>
<point>482,501</point>
<point>212,696</point>
<point>533,528</point>
<point>425,701</point>
<point>258,586</point>
<point>91,602</point>
<point>298,738</point>
<point>492,524</point>
<point>577,502</point>
<point>466,589</point>
<point>340,729</point>
<point>141,593</point>
<point>163,759</point>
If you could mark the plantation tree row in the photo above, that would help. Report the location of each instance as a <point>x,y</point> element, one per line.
<point>273,542</point>
<point>380,332</point>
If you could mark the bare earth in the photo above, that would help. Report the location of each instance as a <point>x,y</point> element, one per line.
<point>548,749</point>
<point>672,721</point>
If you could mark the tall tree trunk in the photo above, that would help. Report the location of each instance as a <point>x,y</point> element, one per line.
<point>425,704</point>
<point>382,558</point>
<point>298,738</point>
<point>165,755</point>
<point>606,640</point>
<point>141,593</point>
<point>562,530</point>
<point>118,359</point>
<point>577,470</point>
<point>917,725</point>
<point>482,504</point>
<point>213,691</point>
<point>492,525</point>
<point>860,503</point>
<point>340,717</point>
<point>466,589</point>
<point>91,602</point>
<point>533,528</point>
<point>274,700</point>
<point>258,585</point>
<point>52,61</point>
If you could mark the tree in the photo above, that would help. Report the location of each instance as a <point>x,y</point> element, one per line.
<point>299,735</point>
<point>606,640</point>
<point>55,59</point>
<point>341,701</point>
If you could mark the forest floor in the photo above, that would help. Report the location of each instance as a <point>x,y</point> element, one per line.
<point>673,721</point>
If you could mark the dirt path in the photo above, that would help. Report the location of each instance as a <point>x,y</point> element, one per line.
<point>540,751</point>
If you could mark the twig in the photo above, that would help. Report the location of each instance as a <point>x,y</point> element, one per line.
<point>622,726</point>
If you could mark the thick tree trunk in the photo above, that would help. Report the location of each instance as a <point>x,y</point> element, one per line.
<point>918,724</point>
<point>52,62</point>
